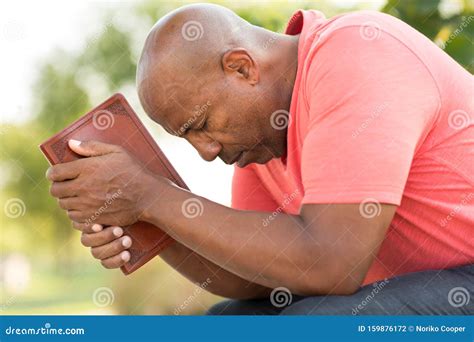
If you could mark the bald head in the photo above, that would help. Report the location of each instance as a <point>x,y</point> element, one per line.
<point>185,44</point>
<point>205,74</point>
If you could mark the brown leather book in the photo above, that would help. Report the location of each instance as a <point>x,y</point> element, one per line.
<point>115,122</point>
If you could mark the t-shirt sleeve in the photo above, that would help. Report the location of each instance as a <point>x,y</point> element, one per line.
<point>248,193</point>
<point>371,103</point>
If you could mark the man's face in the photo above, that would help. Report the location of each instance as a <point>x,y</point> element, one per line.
<point>232,123</point>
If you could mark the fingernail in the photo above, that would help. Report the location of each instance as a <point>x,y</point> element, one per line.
<point>118,231</point>
<point>96,227</point>
<point>74,143</point>
<point>125,256</point>
<point>126,242</point>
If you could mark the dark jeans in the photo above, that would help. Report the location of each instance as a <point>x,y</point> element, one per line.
<point>434,292</point>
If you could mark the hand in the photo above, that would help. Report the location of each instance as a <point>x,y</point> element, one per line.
<point>108,245</point>
<point>106,188</point>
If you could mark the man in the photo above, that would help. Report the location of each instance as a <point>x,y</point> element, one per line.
<point>354,143</point>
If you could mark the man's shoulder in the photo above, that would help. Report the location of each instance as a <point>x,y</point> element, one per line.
<point>358,19</point>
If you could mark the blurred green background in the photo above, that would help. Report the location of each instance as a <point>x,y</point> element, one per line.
<point>44,269</point>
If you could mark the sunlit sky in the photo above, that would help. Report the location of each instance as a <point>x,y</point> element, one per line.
<point>30,30</point>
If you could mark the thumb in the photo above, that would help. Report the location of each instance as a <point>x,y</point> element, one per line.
<point>91,148</point>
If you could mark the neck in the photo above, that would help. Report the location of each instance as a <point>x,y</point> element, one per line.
<point>284,65</point>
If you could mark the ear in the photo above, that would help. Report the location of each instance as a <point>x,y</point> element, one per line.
<point>239,62</point>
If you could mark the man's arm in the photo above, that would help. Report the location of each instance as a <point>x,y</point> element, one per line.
<point>198,269</point>
<point>325,249</point>
<point>108,248</point>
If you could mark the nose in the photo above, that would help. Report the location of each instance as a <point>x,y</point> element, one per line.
<point>207,147</point>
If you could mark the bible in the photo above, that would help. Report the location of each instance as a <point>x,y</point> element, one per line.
<point>115,122</point>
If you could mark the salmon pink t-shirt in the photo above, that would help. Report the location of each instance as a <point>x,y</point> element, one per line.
<point>379,114</point>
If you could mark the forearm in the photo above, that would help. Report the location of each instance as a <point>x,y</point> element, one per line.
<point>217,280</point>
<point>281,254</point>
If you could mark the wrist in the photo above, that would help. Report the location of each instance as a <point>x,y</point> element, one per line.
<point>153,188</point>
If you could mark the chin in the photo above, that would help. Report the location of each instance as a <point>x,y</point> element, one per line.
<point>259,160</point>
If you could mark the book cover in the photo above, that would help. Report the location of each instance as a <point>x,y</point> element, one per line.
<point>115,122</point>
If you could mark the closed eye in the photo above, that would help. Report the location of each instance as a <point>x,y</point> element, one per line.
<point>203,125</point>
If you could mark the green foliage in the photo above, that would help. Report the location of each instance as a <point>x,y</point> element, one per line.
<point>66,86</point>
<point>455,33</point>
<point>110,56</point>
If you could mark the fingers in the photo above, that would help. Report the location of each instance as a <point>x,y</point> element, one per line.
<point>87,227</point>
<point>112,248</point>
<point>63,189</point>
<point>77,215</point>
<point>117,260</point>
<point>70,203</point>
<point>92,148</point>
<point>107,244</point>
<point>64,171</point>
<point>103,237</point>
